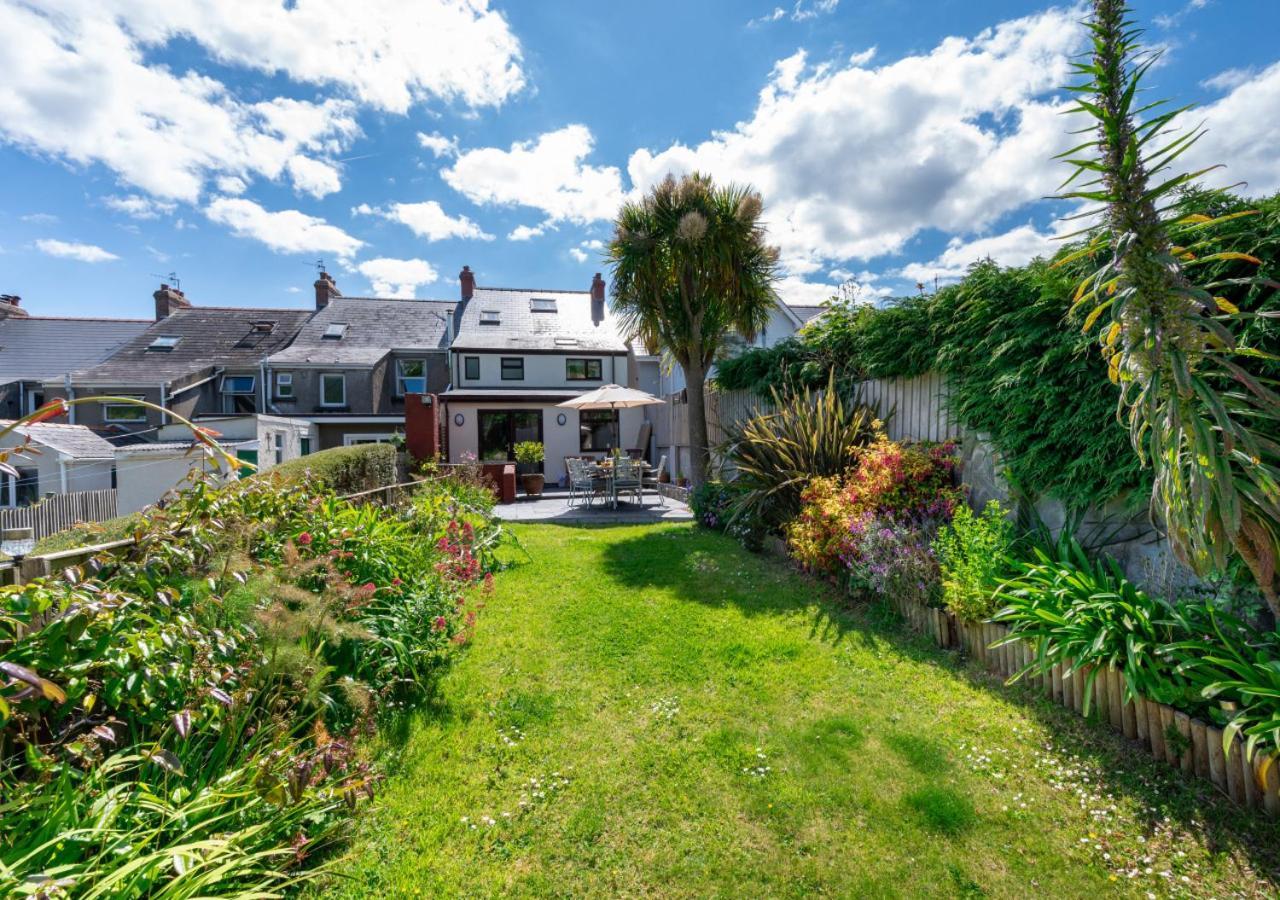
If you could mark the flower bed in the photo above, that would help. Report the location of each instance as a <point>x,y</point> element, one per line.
<point>187,715</point>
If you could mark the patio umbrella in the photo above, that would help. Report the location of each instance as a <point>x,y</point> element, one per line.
<point>614,397</point>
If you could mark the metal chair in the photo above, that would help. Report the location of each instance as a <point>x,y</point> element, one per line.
<point>628,479</point>
<point>581,485</point>
<point>655,480</point>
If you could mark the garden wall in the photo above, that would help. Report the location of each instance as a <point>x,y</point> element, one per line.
<point>1171,736</point>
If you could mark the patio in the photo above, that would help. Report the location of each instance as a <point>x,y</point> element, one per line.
<point>553,506</point>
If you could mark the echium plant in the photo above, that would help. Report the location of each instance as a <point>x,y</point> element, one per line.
<point>1195,413</point>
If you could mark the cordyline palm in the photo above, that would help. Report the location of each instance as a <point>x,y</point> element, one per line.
<point>1202,420</point>
<point>691,266</point>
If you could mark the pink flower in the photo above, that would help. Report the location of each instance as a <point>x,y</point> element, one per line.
<point>439,624</point>
<point>305,538</point>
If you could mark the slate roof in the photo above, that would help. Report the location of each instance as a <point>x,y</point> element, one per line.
<point>211,336</point>
<point>375,327</point>
<point>39,348</point>
<point>76,441</point>
<point>807,313</point>
<point>520,328</point>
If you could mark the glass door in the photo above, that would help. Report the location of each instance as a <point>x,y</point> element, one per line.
<point>502,429</point>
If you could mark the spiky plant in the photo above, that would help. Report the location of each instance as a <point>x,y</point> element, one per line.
<point>1200,419</point>
<point>691,266</point>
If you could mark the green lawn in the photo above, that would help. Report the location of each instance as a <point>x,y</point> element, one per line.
<point>652,711</point>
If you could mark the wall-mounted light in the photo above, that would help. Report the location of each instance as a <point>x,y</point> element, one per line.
<point>459,419</point>
<point>561,419</point>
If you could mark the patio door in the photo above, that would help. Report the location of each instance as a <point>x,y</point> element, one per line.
<point>502,429</point>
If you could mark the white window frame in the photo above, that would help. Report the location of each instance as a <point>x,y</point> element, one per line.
<point>108,418</point>
<point>342,380</point>
<point>284,379</point>
<point>382,437</point>
<point>277,446</point>
<point>335,331</point>
<point>466,361</point>
<point>165,343</point>
<point>401,377</point>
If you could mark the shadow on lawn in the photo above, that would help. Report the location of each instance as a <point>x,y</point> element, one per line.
<point>712,569</point>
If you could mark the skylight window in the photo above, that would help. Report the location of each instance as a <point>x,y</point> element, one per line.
<point>164,342</point>
<point>264,326</point>
<point>566,342</point>
<point>542,305</point>
<point>490,317</point>
<point>335,331</point>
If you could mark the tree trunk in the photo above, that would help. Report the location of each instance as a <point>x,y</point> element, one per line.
<point>695,377</point>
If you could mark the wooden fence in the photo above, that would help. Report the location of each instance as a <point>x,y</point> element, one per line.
<point>1171,736</point>
<point>915,409</point>
<point>61,511</point>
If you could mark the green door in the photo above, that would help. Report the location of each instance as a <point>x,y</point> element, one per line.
<point>249,456</point>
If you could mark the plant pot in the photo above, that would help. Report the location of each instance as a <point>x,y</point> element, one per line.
<point>533,484</point>
<point>665,478</point>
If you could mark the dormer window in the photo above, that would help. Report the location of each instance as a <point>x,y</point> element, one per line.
<point>164,343</point>
<point>490,317</point>
<point>542,305</point>
<point>335,331</point>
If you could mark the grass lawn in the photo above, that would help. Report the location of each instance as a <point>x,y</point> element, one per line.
<point>653,711</point>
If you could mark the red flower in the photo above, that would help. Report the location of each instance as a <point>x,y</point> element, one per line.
<point>305,538</point>
<point>396,582</point>
<point>439,624</point>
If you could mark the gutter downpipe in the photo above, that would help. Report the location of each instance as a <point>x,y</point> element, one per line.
<point>164,396</point>
<point>71,395</point>
<point>62,473</point>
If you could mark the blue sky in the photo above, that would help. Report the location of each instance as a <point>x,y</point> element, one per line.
<point>894,140</point>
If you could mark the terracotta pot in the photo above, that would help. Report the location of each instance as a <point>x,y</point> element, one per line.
<point>665,477</point>
<point>533,483</point>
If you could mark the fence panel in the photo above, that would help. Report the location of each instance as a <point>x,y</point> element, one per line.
<point>61,511</point>
<point>916,407</point>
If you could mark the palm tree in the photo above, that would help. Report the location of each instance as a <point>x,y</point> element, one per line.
<point>691,266</point>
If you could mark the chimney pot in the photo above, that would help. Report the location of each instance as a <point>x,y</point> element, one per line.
<point>169,299</point>
<point>467,282</point>
<point>10,305</point>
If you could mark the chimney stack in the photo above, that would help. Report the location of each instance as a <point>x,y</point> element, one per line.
<point>326,289</point>
<point>168,299</point>
<point>597,298</point>
<point>467,280</point>
<point>10,305</point>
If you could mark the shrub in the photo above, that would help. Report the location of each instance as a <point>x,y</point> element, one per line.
<point>901,483</point>
<point>529,452</point>
<point>714,504</point>
<point>972,553</point>
<point>891,558</point>
<point>344,470</point>
<point>776,455</point>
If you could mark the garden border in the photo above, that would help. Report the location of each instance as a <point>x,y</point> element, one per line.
<point>1139,719</point>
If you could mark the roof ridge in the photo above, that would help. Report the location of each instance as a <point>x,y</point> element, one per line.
<point>396,300</point>
<point>485,287</point>
<point>244,309</point>
<point>72,319</point>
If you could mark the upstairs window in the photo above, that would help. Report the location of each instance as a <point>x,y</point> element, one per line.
<point>124,413</point>
<point>471,367</point>
<point>411,377</point>
<point>582,369</point>
<point>513,368</point>
<point>335,331</point>
<point>542,305</point>
<point>333,389</point>
<point>284,385</point>
<point>164,343</point>
<point>238,384</point>
<point>490,317</point>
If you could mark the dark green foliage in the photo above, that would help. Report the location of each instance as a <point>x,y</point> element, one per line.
<point>344,470</point>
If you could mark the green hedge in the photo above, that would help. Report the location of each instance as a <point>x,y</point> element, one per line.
<point>345,470</point>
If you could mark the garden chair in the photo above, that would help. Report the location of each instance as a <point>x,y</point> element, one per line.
<point>654,481</point>
<point>627,479</point>
<point>582,486</point>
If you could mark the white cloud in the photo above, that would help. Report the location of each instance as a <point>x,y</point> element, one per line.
<point>397,277</point>
<point>547,174</point>
<point>231,184</point>
<point>313,176</point>
<point>528,232</point>
<point>796,291</point>
<point>588,249</point>
<point>285,231</point>
<point>800,12</point>
<point>1241,134</point>
<point>578,254</point>
<point>91,91</point>
<point>1015,247</point>
<point>90,253</point>
<point>438,144</point>
<point>139,207</point>
<point>854,161</point>
<point>40,218</point>
<point>778,13</point>
<point>1229,79</point>
<point>427,220</point>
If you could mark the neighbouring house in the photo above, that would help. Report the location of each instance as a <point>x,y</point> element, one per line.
<point>193,360</point>
<point>516,354</point>
<point>38,349</point>
<point>69,458</point>
<point>352,363</point>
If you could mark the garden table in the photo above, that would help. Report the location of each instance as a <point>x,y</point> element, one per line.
<point>605,471</point>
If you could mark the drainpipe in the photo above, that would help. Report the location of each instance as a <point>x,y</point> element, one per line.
<point>164,398</point>
<point>62,474</point>
<point>71,395</point>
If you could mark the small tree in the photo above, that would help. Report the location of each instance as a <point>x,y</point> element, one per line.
<point>691,266</point>
<point>1204,423</point>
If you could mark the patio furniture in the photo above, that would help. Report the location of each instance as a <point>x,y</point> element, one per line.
<point>583,484</point>
<point>654,481</point>
<point>628,477</point>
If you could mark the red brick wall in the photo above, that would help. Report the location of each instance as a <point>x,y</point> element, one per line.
<point>422,426</point>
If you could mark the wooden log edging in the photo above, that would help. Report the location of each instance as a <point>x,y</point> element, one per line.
<point>1180,741</point>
